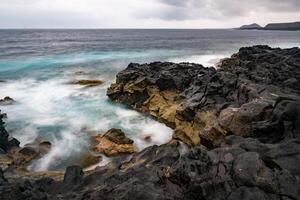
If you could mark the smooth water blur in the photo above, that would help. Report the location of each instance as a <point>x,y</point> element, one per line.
<point>37,64</point>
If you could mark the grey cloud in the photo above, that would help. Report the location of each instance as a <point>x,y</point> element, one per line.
<point>216,9</point>
<point>178,3</point>
<point>139,13</point>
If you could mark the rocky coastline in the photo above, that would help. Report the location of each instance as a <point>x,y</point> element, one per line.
<point>290,26</point>
<point>240,120</point>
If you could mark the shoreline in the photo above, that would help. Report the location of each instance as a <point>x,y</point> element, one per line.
<point>241,122</point>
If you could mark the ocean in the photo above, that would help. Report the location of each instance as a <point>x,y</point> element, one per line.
<point>36,66</point>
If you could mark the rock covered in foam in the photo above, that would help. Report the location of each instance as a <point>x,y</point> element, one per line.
<point>7,101</point>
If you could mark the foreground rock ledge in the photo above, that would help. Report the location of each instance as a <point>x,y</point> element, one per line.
<point>250,94</point>
<point>239,169</point>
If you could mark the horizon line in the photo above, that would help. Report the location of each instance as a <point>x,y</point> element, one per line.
<point>96,28</point>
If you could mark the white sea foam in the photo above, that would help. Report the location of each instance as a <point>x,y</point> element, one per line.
<point>205,60</point>
<point>59,113</point>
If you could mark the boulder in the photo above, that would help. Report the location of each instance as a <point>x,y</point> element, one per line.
<point>6,143</point>
<point>240,120</point>
<point>88,83</point>
<point>88,160</point>
<point>112,143</point>
<point>6,101</point>
<point>23,156</point>
<point>44,147</point>
<point>73,175</point>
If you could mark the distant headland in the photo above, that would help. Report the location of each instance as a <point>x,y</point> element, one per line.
<point>292,26</point>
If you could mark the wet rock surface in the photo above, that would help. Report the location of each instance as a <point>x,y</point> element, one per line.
<point>7,101</point>
<point>239,169</point>
<point>240,121</point>
<point>112,143</point>
<point>88,83</point>
<point>6,142</point>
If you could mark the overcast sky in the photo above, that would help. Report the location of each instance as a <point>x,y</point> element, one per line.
<point>144,13</point>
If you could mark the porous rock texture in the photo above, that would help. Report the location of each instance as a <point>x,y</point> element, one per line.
<point>239,169</point>
<point>248,95</point>
<point>112,143</point>
<point>6,143</point>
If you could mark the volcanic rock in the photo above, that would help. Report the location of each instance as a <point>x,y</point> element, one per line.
<point>239,169</point>
<point>89,83</point>
<point>112,143</point>
<point>6,101</point>
<point>241,121</point>
<point>44,147</point>
<point>88,159</point>
<point>244,96</point>
<point>6,143</point>
<point>73,175</point>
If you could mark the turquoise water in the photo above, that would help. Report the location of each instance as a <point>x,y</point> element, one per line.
<point>49,109</point>
<point>37,64</point>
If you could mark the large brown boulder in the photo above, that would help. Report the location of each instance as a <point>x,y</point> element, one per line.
<point>112,143</point>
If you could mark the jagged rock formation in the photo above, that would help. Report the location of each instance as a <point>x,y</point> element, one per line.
<point>239,169</point>
<point>246,114</point>
<point>6,143</point>
<point>203,105</point>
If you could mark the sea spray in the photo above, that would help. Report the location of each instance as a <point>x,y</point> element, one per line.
<point>54,111</point>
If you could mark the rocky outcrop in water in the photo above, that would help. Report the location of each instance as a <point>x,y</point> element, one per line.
<point>6,143</point>
<point>241,121</point>
<point>112,143</point>
<point>6,101</point>
<point>253,26</point>
<point>88,83</point>
<point>248,95</point>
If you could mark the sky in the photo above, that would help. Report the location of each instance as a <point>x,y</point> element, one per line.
<point>145,13</point>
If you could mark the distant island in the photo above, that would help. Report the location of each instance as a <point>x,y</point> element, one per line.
<point>251,26</point>
<point>292,26</point>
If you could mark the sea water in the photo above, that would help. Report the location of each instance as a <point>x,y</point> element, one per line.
<point>36,66</point>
